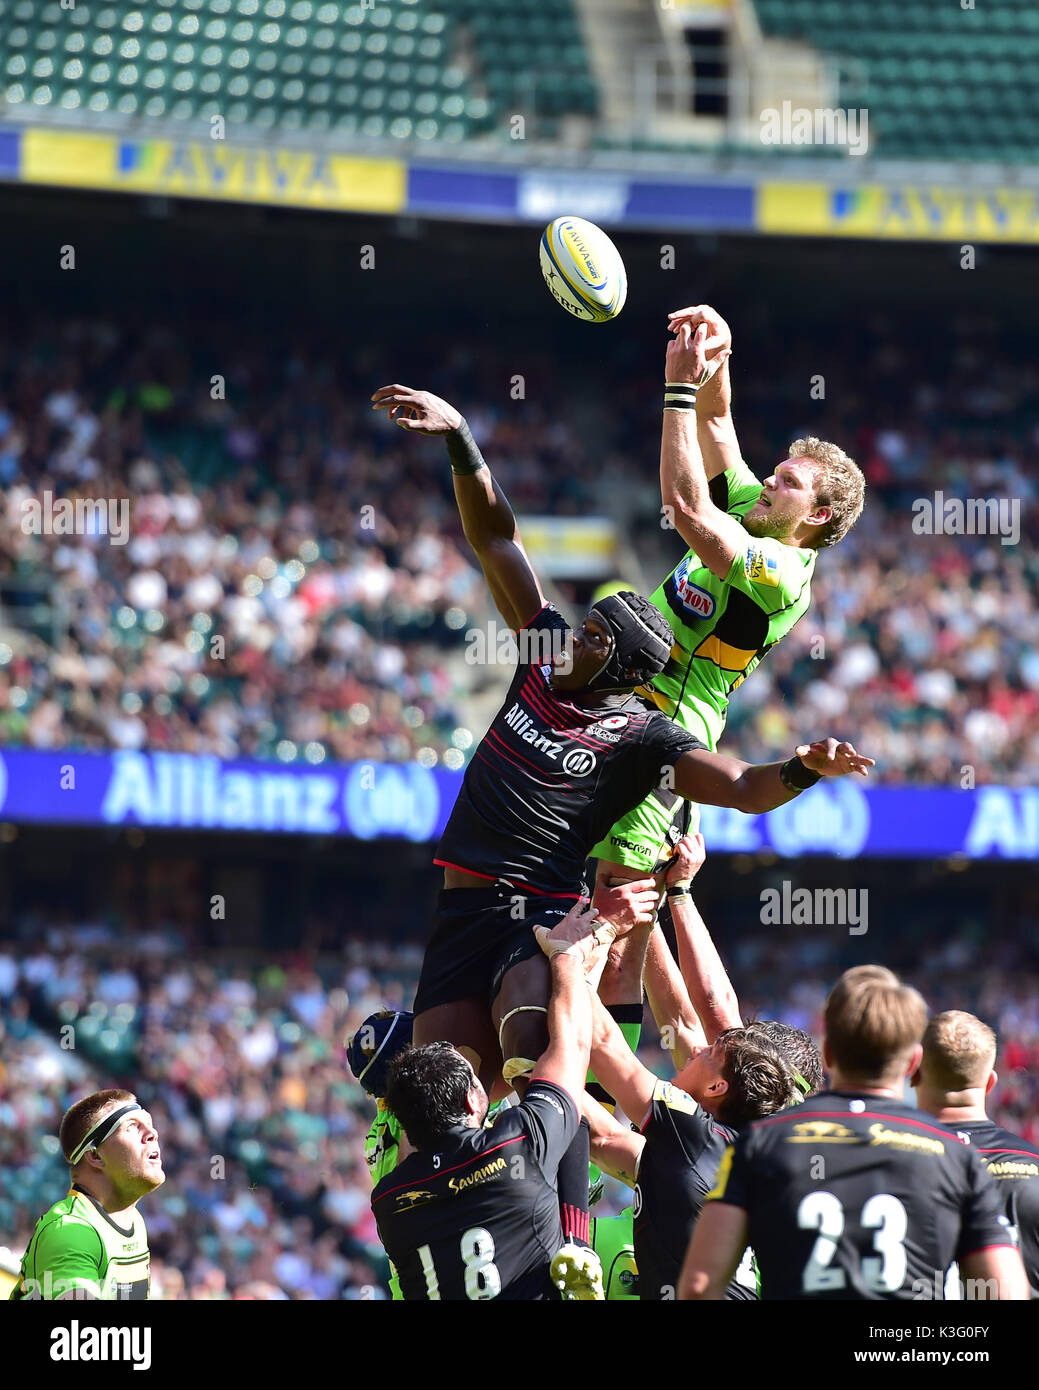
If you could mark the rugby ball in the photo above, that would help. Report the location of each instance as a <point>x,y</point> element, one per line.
<point>583,269</point>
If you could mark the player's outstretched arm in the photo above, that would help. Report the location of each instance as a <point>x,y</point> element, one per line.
<point>615,1148</point>
<point>487,519</point>
<point>716,536</point>
<point>570,946</point>
<point>715,430</point>
<point>711,992</point>
<point>617,1068</point>
<point>758,787</point>
<point>620,1072</point>
<point>672,1009</point>
<point>719,1240</point>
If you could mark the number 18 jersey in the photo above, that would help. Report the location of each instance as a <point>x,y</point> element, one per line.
<point>479,1219</point>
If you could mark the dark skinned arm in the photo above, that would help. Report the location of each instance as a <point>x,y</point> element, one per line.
<point>487,519</point>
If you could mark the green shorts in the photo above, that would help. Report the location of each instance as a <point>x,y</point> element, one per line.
<point>613,1241</point>
<point>644,835</point>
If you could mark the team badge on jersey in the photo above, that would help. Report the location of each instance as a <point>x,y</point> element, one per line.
<point>698,601</point>
<point>822,1132</point>
<point>613,721</point>
<point>760,567</point>
<point>408,1201</point>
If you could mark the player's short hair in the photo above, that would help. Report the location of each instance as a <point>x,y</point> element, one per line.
<point>872,1021</point>
<point>760,1079</point>
<point>959,1051</point>
<point>80,1119</point>
<point>426,1088</point>
<point>797,1047</point>
<point>839,484</point>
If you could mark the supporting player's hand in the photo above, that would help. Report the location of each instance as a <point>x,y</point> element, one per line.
<point>832,759</point>
<point>579,933</point>
<point>417,411</point>
<point>687,859</point>
<point>628,905</point>
<point>687,359</point>
<point>719,334</point>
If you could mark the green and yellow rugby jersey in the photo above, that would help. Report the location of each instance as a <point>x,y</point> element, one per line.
<point>723,627</point>
<point>381,1143</point>
<point>77,1245</point>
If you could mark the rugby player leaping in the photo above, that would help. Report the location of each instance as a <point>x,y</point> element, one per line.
<point>569,752</point>
<point>743,584</point>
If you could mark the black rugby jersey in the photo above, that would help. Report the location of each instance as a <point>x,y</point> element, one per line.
<point>859,1197</point>
<point>1013,1164</point>
<point>550,777</point>
<point>480,1219</point>
<point>677,1169</point>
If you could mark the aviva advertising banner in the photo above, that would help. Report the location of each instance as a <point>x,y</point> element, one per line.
<point>254,173</point>
<point>213,169</point>
<point>914,211</point>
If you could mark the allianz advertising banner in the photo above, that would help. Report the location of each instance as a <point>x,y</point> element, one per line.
<point>366,801</point>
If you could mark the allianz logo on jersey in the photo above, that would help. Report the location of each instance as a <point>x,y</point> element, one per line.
<point>577,763</point>
<point>697,600</point>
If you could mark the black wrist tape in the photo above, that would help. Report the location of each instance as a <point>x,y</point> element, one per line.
<point>463,451</point>
<point>796,776</point>
<point>680,395</point>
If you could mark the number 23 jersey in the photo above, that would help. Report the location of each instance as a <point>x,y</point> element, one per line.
<point>858,1197</point>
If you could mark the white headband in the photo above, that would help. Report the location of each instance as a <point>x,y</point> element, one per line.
<point>94,1137</point>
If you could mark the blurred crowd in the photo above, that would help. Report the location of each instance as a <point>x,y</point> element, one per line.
<point>240,1061</point>
<point>242,1067</point>
<point>295,585</point>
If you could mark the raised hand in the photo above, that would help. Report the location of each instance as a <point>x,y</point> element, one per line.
<point>719,334</point>
<point>576,934</point>
<point>687,356</point>
<point>687,859</point>
<point>832,759</point>
<point>628,905</point>
<point>418,411</point>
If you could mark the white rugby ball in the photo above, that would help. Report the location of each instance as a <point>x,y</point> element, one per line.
<point>583,269</point>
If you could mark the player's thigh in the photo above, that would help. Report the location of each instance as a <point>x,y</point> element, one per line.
<point>520,1008</point>
<point>467,1024</point>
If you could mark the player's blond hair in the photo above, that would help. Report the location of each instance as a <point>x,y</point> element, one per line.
<point>839,485</point>
<point>959,1051</point>
<point>872,1022</point>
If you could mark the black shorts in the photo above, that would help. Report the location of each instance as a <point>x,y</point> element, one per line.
<point>478,934</point>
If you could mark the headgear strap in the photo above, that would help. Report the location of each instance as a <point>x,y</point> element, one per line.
<point>640,650</point>
<point>375,1055</point>
<point>103,1130</point>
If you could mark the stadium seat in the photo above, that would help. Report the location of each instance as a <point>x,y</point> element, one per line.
<point>926,57</point>
<point>315,61</point>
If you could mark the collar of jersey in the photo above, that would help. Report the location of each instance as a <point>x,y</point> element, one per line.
<point>127,1232</point>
